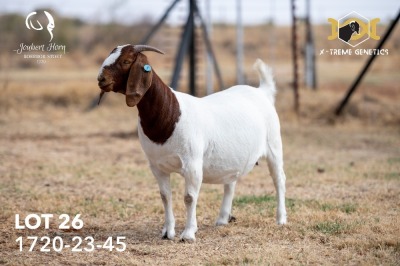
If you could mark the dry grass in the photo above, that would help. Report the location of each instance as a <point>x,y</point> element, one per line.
<point>343,187</point>
<point>343,177</point>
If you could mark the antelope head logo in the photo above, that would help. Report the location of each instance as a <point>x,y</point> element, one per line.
<point>50,25</point>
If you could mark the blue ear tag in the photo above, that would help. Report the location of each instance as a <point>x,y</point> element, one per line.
<point>147,68</point>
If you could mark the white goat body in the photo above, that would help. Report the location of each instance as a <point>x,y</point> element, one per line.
<point>226,132</point>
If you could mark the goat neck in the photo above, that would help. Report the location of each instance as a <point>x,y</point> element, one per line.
<point>158,111</point>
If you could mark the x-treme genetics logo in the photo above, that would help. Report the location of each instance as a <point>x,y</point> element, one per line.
<point>353,29</point>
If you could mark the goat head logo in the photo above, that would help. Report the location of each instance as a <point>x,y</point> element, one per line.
<point>50,25</point>
<point>353,29</point>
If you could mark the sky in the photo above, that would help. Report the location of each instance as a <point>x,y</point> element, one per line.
<point>222,11</point>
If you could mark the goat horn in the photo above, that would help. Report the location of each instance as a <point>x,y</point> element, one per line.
<point>141,47</point>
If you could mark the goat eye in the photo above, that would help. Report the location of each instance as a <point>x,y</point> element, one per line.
<point>127,62</point>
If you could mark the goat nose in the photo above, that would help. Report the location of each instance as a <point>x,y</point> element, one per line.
<point>101,78</point>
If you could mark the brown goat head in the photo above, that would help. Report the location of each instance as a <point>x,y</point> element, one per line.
<point>127,71</point>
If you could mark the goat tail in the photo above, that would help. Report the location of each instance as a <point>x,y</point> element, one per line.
<point>267,82</point>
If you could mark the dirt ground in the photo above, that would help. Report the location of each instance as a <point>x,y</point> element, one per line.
<point>343,182</point>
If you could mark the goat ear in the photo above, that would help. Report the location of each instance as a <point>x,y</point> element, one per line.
<point>352,26</point>
<point>139,81</point>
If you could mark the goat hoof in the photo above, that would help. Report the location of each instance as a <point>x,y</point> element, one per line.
<point>165,236</point>
<point>225,221</point>
<point>281,220</point>
<point>168,235</point>
<point>188,236</point>
<point>186,240</point>
<point>222,222</point>
<point>231,219</point>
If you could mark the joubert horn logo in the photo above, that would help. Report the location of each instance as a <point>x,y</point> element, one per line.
<point>353,29</point>
<point>50,25</point>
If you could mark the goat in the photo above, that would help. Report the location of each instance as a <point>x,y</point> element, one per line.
<point>214,139</point>
<point>347,31</point>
